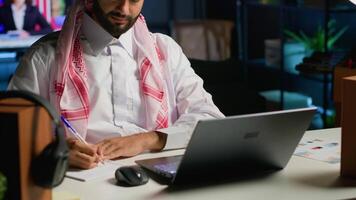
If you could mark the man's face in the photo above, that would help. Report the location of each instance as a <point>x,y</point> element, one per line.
<point>18,2</point>
<point>117,16</point>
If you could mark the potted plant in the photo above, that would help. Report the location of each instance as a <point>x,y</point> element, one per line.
<point>312,44</point>
<point>270,1</point>
<point>293,54</point>
<point>316,42</point>
<point>3,186</point>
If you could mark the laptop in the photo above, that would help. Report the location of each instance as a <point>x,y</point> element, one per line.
<point>235,146</point>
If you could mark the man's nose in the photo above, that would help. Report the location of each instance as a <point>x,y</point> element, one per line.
<point>123,6</point>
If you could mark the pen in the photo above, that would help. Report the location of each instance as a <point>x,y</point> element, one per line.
<point>74,132</point>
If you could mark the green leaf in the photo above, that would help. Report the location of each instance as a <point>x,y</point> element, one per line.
<point>321,41</point>
<point>294,36</point>
<point>332,39</point>
<point>316,42</point>
<point>332,30</point>
<point>331,23</point>
<point>307,41</point>
<point>3,186</point>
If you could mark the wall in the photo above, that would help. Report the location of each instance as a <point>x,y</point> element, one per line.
<point>160,13</point>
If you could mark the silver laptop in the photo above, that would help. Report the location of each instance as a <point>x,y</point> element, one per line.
<point>236,146</point>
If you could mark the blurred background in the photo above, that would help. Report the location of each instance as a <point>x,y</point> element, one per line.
<point>254,55</point>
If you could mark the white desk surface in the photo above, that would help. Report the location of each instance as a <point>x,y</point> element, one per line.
<point>8,42</point>
<point>301,179</point>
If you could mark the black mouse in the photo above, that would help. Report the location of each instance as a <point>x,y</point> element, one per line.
<point>131,176</point>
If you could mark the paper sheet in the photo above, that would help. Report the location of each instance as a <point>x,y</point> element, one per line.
<point>101,171</point>
<point>319,149</point>
<point>62,195</point>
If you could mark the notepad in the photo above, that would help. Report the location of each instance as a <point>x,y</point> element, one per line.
<point>101,171</point>
<point>62,195</point>
<point>319,149</point>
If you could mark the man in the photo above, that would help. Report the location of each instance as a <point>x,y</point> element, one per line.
<point>123,88</point>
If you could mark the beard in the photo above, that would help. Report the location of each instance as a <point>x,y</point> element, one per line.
<point>115,29</point>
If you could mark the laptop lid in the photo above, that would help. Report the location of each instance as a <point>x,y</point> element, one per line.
<point>241,145</point>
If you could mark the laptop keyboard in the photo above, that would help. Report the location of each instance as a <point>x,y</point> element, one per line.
<point>168,167</point>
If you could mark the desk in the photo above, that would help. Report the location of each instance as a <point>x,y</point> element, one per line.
<point>8,43</point>
<point>301,179</point>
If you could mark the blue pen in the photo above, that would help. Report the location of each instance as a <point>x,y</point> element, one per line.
<point>72,130</point>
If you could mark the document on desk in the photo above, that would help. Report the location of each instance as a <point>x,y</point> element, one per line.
<point>101,171</point>
<point>319,149</point>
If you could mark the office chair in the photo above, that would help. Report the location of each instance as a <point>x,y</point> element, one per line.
<point>224,81</point>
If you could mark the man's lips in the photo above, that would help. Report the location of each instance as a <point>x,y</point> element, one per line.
<point>119,20</point>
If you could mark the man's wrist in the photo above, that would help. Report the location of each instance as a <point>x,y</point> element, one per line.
<point>154,141</point>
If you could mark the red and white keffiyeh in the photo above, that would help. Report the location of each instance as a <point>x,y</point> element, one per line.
<point>70,80</point>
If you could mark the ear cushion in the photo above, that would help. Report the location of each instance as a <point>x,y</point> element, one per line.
<point>48,169</point>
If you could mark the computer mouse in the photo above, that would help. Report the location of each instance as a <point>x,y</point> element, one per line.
<point>131,176</point>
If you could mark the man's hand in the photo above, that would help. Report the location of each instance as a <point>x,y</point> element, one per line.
<point>24,34</point>
<point>82,155</point>
<point>131,145</point>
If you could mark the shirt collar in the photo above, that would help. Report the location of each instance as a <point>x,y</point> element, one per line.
<point>100,38</point>
<point>22,9</point>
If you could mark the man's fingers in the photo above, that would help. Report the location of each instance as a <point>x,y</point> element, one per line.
<point>82,160</point>
<point>99,153</point>
<point>104,145</point>
<point>87,158</point>
<point>71,142</point>
<point>120,147</point>
<point>115,153</point>
<point>84,148</point>
<point>107,146</point>
<point>83,165</point>
<point>111,148</point>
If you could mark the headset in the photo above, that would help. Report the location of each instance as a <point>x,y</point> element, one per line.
<point>49,167</point>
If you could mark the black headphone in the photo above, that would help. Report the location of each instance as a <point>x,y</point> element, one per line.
<point>47,169</point>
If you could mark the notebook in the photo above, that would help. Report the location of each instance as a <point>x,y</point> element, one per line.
<point>235,146</point>
<point>101,171</point>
